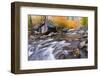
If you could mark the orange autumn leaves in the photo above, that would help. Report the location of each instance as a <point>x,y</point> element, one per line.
<point>62,21</point>
<point>72,23</point>
<point>58,21</point>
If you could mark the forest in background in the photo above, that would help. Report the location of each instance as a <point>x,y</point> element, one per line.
<point>70,22</point>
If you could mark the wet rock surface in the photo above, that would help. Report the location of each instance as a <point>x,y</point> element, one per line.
<point>70,45</point>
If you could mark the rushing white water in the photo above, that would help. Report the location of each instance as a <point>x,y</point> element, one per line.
<point>50,49</point>
<point>45,49</point>
<point>49,54</point>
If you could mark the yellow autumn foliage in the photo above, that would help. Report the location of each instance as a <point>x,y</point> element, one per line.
<point>37,19</point>
<point>62,21</point>
<point>72,24</point>
<point>59,21</point>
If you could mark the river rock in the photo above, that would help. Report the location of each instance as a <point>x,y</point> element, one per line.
<point>82,44</point>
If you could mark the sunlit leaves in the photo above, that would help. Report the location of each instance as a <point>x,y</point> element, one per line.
<point>72,24</point>
<point>84,21</point>
<point>37,19</point>
<point>58,21</point>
